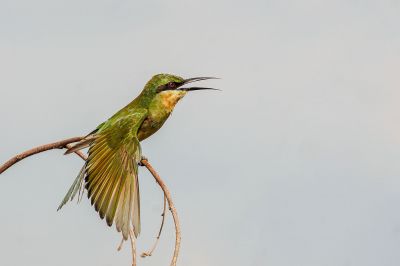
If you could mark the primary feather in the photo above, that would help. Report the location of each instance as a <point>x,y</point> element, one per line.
<point>110,173</point>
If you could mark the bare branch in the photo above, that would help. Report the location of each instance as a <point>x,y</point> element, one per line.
<point>133,246</point>
<point>150,252</point>
<point>55,145</point>
<point>79,153</point>
<point>171,208</point>
<point>65,144</point>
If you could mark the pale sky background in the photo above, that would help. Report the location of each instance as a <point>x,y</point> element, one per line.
<point>295,162</point>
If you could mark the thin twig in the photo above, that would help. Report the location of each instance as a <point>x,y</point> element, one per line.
<point>55,145</point>
<point>121,244</point>
<point>171,208</point>
<point>150,252</point>
<point>79,153</point>
<point>64,144</point>
<point>133,247</point>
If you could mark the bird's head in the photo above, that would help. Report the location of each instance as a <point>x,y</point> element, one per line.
<point>171,88</point>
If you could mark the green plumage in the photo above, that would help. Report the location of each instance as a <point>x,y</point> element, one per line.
<point>110,174</point>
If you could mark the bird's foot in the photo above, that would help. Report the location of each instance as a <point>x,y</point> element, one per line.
<point>144,158</point>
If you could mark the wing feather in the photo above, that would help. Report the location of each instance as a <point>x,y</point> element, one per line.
<point>111,172</point>
<point>78,183</point>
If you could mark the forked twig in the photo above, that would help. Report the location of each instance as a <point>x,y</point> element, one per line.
<point>167,195</point>
<point>150,252</point>
<point>171,208</point>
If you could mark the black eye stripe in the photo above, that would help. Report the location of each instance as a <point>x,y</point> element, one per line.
<point>169,86</point>
<point>162,88</point>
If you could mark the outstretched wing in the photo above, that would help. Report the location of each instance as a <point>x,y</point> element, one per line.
<point>111,172</point>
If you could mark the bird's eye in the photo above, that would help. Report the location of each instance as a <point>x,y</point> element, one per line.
<point>172,85</point>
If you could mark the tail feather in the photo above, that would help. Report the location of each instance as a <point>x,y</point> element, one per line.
<point>86,142</point>
<point>76,186</point>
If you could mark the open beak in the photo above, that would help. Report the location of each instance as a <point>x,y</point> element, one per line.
<point>197,88</point>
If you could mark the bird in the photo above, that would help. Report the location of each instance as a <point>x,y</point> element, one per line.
<point>110,173</point>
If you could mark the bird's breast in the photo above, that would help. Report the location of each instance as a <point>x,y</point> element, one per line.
<point>168,99</point>
<point>159,110</point>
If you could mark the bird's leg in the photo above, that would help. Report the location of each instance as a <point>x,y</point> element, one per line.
<point>143,158</point>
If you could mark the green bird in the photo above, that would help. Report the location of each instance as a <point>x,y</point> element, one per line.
<point>110,174</point>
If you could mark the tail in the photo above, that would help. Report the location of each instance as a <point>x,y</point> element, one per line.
<point>79,182</point>
<point>78,185</point>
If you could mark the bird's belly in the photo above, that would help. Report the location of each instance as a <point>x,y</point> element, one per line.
<point>150,125</point>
